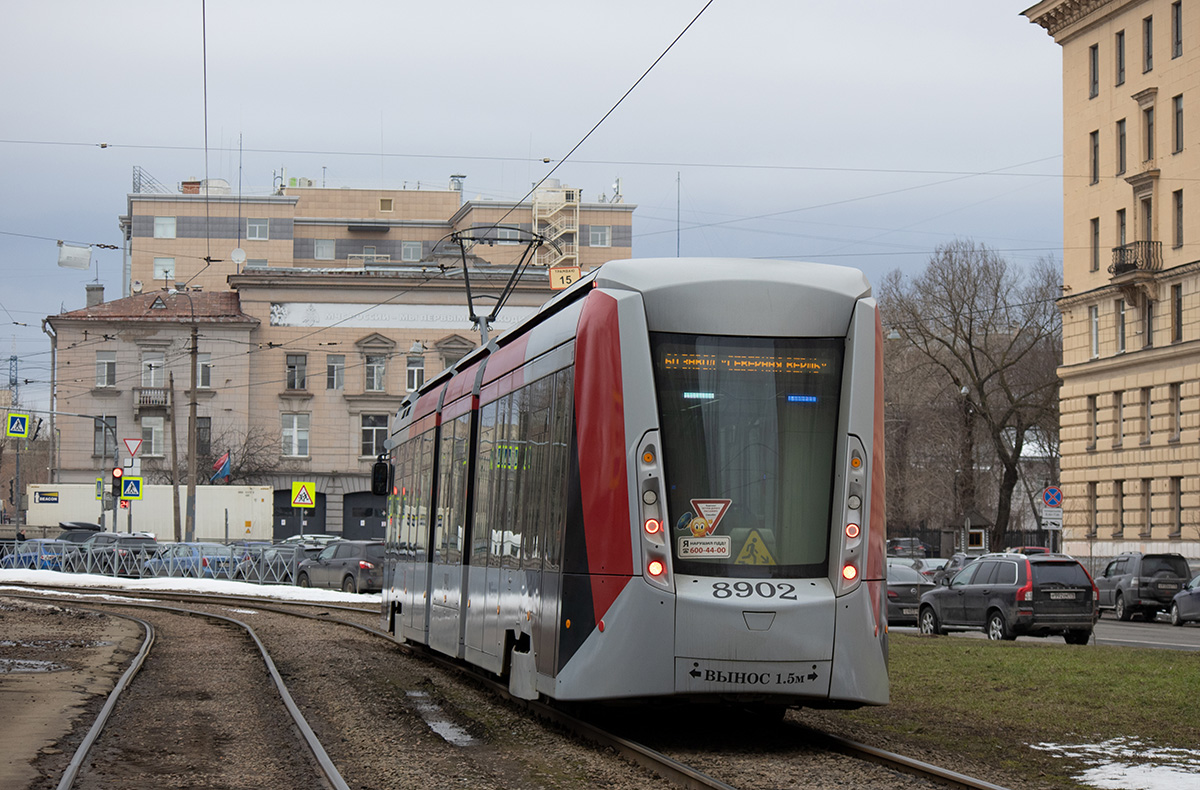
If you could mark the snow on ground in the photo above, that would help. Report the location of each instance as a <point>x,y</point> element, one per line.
<point>1124,763</point>
<point>272,592</point>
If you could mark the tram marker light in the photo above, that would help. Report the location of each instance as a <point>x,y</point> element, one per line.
<point>656,568</point>
<point>849,573</point>
<point>853,530</point>
<point>653,526</point>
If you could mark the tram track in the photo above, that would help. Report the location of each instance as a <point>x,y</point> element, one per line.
<point>720,769</point>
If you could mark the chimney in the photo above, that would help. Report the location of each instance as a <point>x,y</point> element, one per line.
<point>95,294</point>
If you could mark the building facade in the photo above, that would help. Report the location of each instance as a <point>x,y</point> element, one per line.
<point>1130,398</point>
<point>316,311</point>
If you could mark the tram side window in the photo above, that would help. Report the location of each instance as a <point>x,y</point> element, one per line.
<point>404,482</point>
<point>563,417</point>
<point>509,458</point>
<point>456,526</point>
<point>485,481</point>
<point>535,469</point>
<point>444,514</point>
<point>422,478</point>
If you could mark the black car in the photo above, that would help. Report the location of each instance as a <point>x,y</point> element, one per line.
<point>957,562</point>
<point>1009,595</point>
<point>348,565</point>
<point>1141,584</point>
<point>77,531</point>
<point>1185,606</point>
<point>112,554</point>
<point>905,585</point>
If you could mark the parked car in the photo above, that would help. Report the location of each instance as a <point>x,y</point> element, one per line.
<point>273,564</point>
<point>1142,584</point>
<point>351,565</point>
<point>905,585</point>
<point>955,564</point>
<point>1028,550</point>
<point>1185,606</point>
<point>907,547</point>
<point>931,565</point>
<point>38,554</point>
<point>315,539</point>
<point>1007,595</point>
<point>77,531</point>
<point>192,560</point>
<point>111,553</point>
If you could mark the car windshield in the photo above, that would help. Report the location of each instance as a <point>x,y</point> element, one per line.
<point>905,575</point>
<point>1164,563</point>
<point>1069,574</point>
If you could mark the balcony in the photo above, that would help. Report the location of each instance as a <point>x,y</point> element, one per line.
<point>1138,256</point>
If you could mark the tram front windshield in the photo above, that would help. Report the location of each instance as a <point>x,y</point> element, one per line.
<point>749,430</point>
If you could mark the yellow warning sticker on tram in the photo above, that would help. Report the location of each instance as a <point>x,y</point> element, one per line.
<point>754,551</point>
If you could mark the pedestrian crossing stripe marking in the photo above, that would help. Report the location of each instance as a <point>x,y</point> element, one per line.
<point>304,495</point>
<point>18,425</point>
<point>131,488</point>
<point>754,551</point>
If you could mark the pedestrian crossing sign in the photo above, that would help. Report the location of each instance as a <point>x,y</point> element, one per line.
<point>304,495</point>
<point>18,425</point>
<point>131,488</point>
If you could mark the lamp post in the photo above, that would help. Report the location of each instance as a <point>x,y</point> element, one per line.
<point>190,518</point>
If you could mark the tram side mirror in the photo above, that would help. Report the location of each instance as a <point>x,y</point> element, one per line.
<point>379,478</point>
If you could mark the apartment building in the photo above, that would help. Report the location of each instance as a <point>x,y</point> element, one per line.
<point>316,311</point>
<point>1130,399</point>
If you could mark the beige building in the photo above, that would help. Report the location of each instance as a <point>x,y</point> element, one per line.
<point>1130,398</point>
<point>316,310</point>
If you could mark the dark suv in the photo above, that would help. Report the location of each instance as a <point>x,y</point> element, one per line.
<point>1009,595</point>
<point>1144,584</point>
<point>112,554</point>
<point>349,565</point>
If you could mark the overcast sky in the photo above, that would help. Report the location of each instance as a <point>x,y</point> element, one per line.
<point>859,133</point>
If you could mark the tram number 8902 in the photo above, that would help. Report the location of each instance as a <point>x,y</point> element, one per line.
<point>783,591</point>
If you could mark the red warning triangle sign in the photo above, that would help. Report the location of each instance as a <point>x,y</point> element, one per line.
<point>711,510</point>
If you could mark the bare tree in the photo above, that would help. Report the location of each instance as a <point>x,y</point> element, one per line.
<point>993,336</point>
<point>254,458</point>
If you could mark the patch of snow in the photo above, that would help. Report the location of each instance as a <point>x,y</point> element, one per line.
<point>1126,763</point>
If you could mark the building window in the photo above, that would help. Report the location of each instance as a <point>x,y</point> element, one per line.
<point>416,373</point>
<point>152,369</point>
<point>1147,322</point>
<point>258,229</point>
<point>601,236</point>
<point>1147,506</point>
<point>1118,418</point>
<point>1147,43</point>
<point>1094,324</point>
<point>1148,130</point>
<point>1120,321</point>
<point>1177,313</point>
<point>410,251</point>
<point>376,372</point>
<point>1121,227</point>
<point>164,227</point>
<point>1177,104</point>
<point>203,436</point>
<point>1095,244</point>
<point>385,204</point>
<point>324,249</point>
<point>1092,509</point>
<point>335,372</point>
<point>1147,415</point>
<point>104,439</point>
<point>106,368</point>
<point>1176,507</point>
<point>1177,203</point>
<point>152,436</point>
<point>1147,219</point>
<point>295,435</point>
<point>1176,29</point>
<point>374,433</point>
<point>1118,508</point>
<point>297,371</point>
<point>1095,146</point>
<point>256,263</point>
<point>1121,146</point>
<point>204,371</point>
<point>1093,418</point>
<point>164,269</point>
<point>1176,405</point>
<point>1093,71</point>
<point>1120,57</point>
<point>508,235</point>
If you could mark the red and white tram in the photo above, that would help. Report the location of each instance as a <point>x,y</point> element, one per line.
<point>667,482</point>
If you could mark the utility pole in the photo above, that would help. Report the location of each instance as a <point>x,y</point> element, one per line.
<point>191,481</point>
<point>174,461</point>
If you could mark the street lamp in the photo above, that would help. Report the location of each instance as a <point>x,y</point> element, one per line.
<point>190,522</point>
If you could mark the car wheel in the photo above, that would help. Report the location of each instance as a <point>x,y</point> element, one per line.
<point>348,585</point>
<point>997,628</point>
<point>1078,637</point>
<point>1120,610</point>
<point>302,580</point>
<point>928,622</point>
<point>1176,619</point>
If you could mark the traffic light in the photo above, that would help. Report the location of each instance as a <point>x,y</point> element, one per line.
<point>117,473</point>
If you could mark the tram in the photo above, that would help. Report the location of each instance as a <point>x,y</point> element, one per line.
<point>668,482</point>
